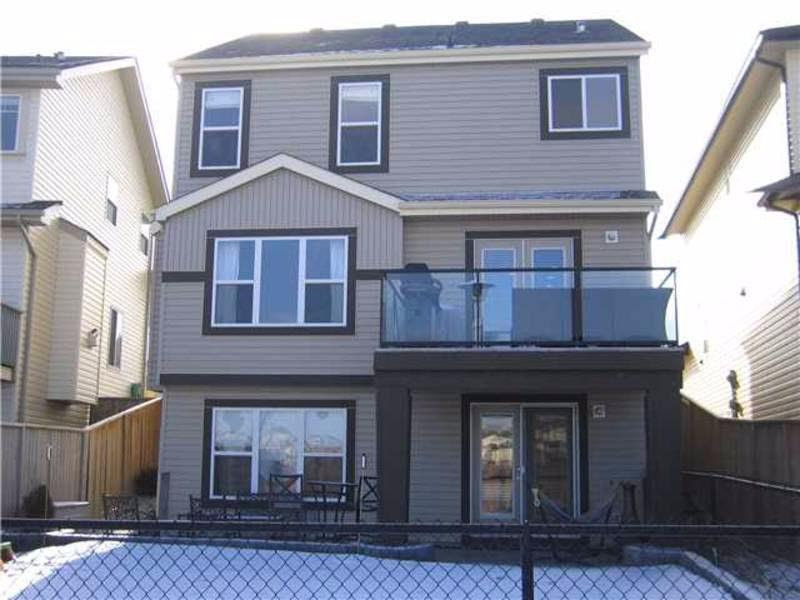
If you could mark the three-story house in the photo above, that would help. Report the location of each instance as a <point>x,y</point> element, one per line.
<point>420,253</point>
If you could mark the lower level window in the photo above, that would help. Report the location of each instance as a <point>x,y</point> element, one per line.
<point>115,339</point>
<point>249,445</point>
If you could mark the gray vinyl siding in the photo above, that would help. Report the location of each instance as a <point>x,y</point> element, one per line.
<point>435,475</point>
<point>440,241</point>
<point>277,201</point>
<point>616,449</point>
<point>182,431</point>
<point>65,333</point>
<point>282,200</point>
<point>453,128</point>
<point>16,184</point>
<point>617,446</point>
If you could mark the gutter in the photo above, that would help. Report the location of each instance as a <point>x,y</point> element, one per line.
<point>23,384</point>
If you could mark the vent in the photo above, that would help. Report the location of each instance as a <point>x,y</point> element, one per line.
<point>580,26</point>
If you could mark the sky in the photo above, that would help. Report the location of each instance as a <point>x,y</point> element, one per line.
<point>697,51</point>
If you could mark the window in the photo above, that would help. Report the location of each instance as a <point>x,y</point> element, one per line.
<point>584,104</point>
<point>9,122</point>
<point>359,119</point>
<point>220,139</point>
<point>115,339</point>
<point>280,281</point>
<point>250,444</point>
<point>112,197</point>
<point>144,244</point>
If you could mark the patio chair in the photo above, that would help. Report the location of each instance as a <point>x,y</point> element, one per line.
<point>286,495</point>
<point>337,499</point>
<point>367,496</point>
<point>120,507</point>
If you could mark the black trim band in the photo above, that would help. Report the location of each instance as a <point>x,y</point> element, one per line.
<point>265,379</point>
<point>183,276</point>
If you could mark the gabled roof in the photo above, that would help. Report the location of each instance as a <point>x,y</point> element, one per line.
<point>428,204</point>
<point>270,165</point>
<point>787,188</point>
<point>390,44</point>
<point>390,37</point>
<point>52,71</point>
<point>37,212</point>
<point>758,79</point>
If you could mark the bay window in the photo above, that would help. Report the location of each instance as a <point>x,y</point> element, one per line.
<point>280,281</point>
<point>250,444</point>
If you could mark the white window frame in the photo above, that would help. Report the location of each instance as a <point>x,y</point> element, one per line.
<point>583,78</point>
<point>255,427</point>
<point>203,128</point>
<point>340,125</point>
<point>16,147</point>
<point>302,281</point>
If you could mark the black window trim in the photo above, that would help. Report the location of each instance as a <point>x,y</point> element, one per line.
<point>333,134</point>
<point>544,104</point>
<point>350,311</point>
<point>208,416</point>
<point>244,139</point>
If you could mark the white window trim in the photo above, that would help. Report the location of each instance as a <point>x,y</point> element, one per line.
<point>302,280</point>
<point>255,432</point>
<point>16,147</point>
<point>340,125</point>
<point>583,78</point>
<point>204,128</point>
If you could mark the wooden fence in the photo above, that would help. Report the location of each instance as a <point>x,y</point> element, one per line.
<point>83,464</point>
<point>741,471</point>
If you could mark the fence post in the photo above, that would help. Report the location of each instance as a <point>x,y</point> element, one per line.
<point>526,562</point>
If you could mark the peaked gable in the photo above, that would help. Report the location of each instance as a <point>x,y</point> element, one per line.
<point>270,165</point>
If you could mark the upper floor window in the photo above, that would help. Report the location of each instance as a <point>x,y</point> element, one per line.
<point>9,122</point>
<point>360,124</point>
<point>112,199</point>
<point>584,103</point>
<point>115,339</point>
<point>280,281</point>
<point>220,132</point>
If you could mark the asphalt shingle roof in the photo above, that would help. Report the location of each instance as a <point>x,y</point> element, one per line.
<point>389,37</point>
<point>51,62</point>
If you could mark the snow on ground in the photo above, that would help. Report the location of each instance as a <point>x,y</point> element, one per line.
<point>108,569</point>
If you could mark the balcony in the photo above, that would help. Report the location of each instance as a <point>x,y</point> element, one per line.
<point>529,307</point>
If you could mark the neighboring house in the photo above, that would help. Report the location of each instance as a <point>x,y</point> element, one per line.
<point>739,302</point>
<point>311,167</point>
<point>80,175</point>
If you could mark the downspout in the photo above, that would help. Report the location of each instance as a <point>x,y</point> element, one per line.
<point>23,383</point>
<point>147,308</point>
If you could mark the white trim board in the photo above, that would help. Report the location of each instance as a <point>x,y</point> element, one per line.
<point>405,208</point>
<point>309,60</point>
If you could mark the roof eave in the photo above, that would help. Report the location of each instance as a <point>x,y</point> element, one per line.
<point>411,208</point>
<point>413,56</point>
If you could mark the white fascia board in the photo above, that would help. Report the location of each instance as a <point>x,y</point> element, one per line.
<point>280,161</point>
<point>97,67</point>
<point>410,57</point>
<point>527,207</point>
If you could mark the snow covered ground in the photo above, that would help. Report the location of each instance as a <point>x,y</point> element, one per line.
<point>112,569</point>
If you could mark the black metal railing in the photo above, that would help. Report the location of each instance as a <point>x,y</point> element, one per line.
<point>556,307</point>
<point>9,326</point>
<point>228,559</point>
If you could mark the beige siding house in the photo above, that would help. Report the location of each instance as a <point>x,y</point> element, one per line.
<point>415,248</point>
<point>739,302</point>
<point>80,178</point>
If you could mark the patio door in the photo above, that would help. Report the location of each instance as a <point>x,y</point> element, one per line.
<point>519,445</point>
<point>550,461</point>
<point>518,253</point>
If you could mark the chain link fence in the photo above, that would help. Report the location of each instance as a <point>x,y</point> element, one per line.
<point>224,559</point>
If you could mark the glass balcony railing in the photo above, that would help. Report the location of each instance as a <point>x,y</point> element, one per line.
<point>490,307</point>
